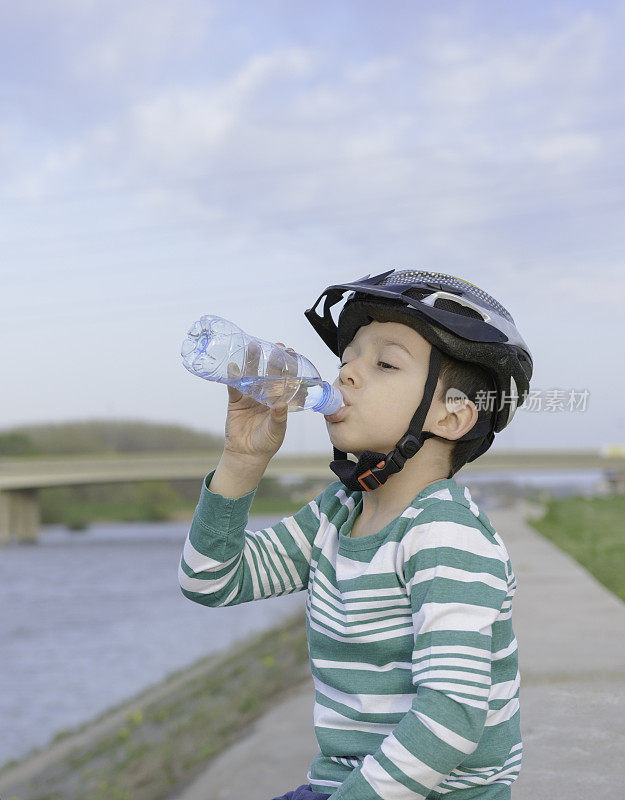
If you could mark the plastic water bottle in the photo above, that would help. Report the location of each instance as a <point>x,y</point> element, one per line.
<point>217,350</point>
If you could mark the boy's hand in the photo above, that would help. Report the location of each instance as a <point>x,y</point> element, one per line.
<point>254,432</point>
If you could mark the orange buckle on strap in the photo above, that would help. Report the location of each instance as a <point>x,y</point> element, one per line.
<point>366,474</point>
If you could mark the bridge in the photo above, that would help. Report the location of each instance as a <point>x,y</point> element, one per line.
<point>21,478</point>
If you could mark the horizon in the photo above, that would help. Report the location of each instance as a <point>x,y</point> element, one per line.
<point>616,449</point>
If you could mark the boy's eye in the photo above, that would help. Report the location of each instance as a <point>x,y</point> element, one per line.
<point>382,363</point>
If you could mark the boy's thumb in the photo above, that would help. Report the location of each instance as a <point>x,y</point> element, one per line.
<point>233,394</point>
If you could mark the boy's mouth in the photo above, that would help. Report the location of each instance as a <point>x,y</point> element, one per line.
<point>338,415</point>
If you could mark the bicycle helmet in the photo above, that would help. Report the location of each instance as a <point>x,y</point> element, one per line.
<point>458,319</point>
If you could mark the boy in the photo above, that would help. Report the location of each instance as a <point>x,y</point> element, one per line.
<point>408,614</point>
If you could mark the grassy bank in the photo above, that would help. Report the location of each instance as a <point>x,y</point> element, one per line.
<point>157,743</point>
<point>590,530</point>
<point>78,516</point>
<point>156,501</point>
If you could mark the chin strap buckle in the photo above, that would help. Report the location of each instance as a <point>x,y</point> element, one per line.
<point>368,475</point>
<point>405,448</point>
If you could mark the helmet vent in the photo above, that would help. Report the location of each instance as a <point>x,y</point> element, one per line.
<point>447,283</point>
<point>417,294</point>
<point>456,308</point>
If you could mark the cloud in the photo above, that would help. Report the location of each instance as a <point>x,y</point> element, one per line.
<point>124,38</point>
<point>178,133</point>
<point>361,136</point>
<point>256,152</point>
<point>570,147</point>
<point>461,129</point>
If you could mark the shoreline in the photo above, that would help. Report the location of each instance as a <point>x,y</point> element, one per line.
<point>217,699</point>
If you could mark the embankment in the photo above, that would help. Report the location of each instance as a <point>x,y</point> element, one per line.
<point>154,744</point>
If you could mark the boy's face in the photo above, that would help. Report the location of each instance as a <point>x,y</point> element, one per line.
<point>384,371</point>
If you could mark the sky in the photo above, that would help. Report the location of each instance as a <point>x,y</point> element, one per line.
<point>165,159</point>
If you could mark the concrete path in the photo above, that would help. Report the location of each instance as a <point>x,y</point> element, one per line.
<point>571,634</point>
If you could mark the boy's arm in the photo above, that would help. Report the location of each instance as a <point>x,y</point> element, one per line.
<point>457,583</point>
<point>224,564</point>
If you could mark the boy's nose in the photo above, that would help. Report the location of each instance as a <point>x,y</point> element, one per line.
<point>349,374</point>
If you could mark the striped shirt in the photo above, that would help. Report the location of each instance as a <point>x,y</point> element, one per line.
<point>412,650</point>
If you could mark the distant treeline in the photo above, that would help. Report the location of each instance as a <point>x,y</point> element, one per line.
<point>77,506</point>
<point>103,436</point>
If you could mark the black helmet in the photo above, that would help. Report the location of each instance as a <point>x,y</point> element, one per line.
<point>458,319</point>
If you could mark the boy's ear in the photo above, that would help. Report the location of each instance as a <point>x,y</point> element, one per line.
<point>460,420</point>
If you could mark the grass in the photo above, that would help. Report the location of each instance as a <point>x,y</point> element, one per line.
<point>591,530</point>
<point>78,516</point>
<point>160,747</point>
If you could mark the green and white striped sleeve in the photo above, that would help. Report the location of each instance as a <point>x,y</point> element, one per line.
<point>224,564</point>
<point>456,578</point>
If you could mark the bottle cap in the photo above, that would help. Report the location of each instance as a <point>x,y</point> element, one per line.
<point>331,399</point>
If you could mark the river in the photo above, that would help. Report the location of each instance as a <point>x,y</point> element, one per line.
<point>91,618</point>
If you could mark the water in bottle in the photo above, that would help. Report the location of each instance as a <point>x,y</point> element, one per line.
<point>218,350</point>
